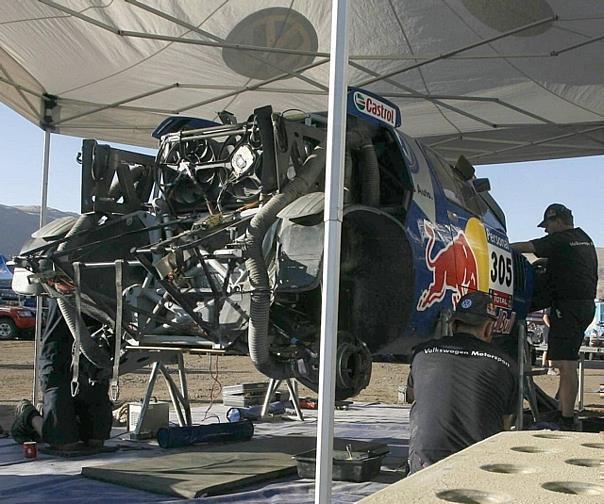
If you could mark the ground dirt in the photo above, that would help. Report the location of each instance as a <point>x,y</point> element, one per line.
<point>205,378</point>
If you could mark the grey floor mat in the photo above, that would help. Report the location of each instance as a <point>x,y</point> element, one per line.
<point>80,452</point>
<point>205,469</point>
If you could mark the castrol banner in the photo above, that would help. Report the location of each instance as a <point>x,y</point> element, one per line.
<point>373,108</point>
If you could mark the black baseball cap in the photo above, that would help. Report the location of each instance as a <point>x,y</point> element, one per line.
<point>553,211</point>
<point>474,308</point>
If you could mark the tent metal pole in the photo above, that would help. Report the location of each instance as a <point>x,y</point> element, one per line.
<point>40,299</point>
<point>334,188</point>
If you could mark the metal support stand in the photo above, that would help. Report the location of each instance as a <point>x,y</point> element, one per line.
<point>521,357</point>
<point>184,390</point>
<point>148,391</point>
<point>531,395</point>
<point>581,393</point>
<point>525,379</point>
<point>180,402</point>
<point>292,387</point>
<point>180,398</point>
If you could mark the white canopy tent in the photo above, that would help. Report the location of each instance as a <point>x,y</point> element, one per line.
<point>499,80</point>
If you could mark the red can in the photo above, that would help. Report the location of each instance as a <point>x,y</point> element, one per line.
<point>30,449</point>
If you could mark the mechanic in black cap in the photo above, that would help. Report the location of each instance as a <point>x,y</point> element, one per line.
<point>464,389</point>
<point>572,272</point>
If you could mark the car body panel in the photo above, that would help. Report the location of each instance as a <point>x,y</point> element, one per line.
<point>23,318</point>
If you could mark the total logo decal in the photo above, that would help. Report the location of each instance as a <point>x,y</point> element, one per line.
<point>475,259</point>
<point>375,108</point>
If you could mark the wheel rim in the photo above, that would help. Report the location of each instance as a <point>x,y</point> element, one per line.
<point>5,330</point>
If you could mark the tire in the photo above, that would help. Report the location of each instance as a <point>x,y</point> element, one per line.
<point>8,330</point>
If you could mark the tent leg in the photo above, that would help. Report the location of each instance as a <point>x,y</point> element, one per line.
<point>334,188</point>
<point>39,299</point>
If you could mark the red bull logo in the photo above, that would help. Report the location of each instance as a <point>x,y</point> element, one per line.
<point>454,268</point>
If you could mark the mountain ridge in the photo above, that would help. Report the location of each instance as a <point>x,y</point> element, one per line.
<point>17,223</point>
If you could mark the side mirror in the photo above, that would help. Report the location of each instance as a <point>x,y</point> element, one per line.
<point>464,167</point>
<point>481,185</point>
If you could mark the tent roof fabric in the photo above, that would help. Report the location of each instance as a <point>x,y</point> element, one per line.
<point>500,81</point>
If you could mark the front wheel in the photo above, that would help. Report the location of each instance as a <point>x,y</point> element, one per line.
<point>353,368</point>
<point>8,330</point>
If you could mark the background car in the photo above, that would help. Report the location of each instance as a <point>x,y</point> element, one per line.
<point>16,322</point>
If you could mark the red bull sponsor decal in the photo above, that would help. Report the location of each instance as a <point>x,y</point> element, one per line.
<point>467,263</point>
<point>454,268</point>
<point>375,108</point>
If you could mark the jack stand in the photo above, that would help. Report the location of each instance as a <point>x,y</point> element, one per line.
<point>180,398</point>
<point>292,387</point>
<point>525,379</point>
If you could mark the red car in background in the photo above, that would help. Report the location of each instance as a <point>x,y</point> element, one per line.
<point>16,322</point>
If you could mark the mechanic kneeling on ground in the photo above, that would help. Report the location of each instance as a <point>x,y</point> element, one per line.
<point>572,272</point>
<point>68,423</point>
<point>463,388</point>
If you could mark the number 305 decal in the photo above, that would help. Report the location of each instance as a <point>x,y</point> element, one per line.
<point>501,269</point>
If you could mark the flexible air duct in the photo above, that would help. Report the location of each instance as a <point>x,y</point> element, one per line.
<point>258,343</point>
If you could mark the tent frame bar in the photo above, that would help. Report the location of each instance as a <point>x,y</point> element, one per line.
<point>167,38</point>
<point>252,87</point>
<point>20,89</point>
<point>221,44</point>
<point>118,103</point>
<point>259,88</point>
<point>546,140</point>
<point>459,50</point>
<point>442,144</point>
<point>488,99</point>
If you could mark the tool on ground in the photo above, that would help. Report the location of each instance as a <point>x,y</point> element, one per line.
<point>175,437</point>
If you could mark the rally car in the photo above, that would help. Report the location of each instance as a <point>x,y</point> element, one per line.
<point>218,242</point>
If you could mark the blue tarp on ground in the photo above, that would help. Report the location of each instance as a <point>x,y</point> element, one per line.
<point>56,480</point>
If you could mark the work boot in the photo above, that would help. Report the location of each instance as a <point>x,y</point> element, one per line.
<point>22,429</point>
<point>569,424</point>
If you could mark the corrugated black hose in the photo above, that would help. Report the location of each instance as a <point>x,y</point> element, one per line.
<point>258,343</point>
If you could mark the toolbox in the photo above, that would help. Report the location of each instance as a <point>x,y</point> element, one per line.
<point>352,460</point>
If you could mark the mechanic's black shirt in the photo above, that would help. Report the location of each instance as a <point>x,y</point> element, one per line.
<point>572,264</point>
<point>463,387</point>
